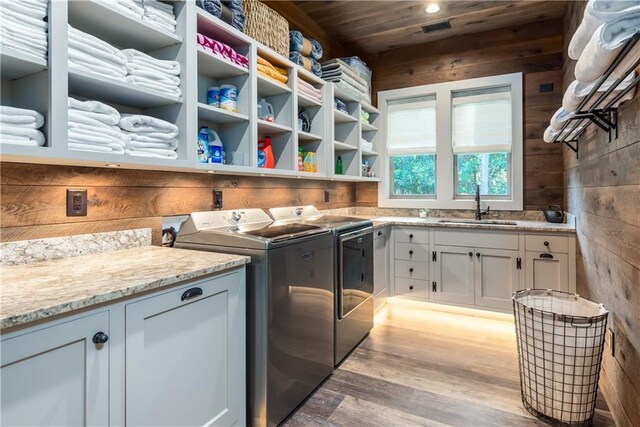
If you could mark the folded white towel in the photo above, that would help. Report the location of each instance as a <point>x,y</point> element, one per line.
<point>154,85</point>
<point>80,136</point>
<point>34,48</point>
<point>139,123</point>
<point>21,29</point>
<point>167,18</point>
<point>95,42</point>
<point>166,8</point>
<point>128,7</point>
<point>20,117</point>
<point>108,119</point>
<point>19,133</point>
<point>21,8</point>
<point>96,64</point>
<point>79,117</point>
<point>135,142</point>
<point>596,13</point>
<point>25,143</point>
<point>150,137</point>
<point>118,60</point>
<point>142,59</point>
<point>41,5</point>
<point>576,92</point>
<point>81,67</point>
<point>165,79</point>
<point>93,107</point>
<point>604,45</point>
<point>20,19</point>
<point>158,25</point>
<point>559,118</point>
<point>153,152</point>
<point>96,148</point>
<point>550,134</point>
<point>113,131</point>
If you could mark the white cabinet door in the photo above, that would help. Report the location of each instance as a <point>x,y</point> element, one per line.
<point>496,277</point>
<point>381,263</point>
<point>547,270</point>
<point>454,274</point>
<point>185,355</point>
<point>56,375</point>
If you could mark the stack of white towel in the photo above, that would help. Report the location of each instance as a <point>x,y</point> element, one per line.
<point>605,28</point>
<point>23,26</point>
<point>149,137</point>
<point>93,127</point>
<point>159,15</point>
<point>133,8</point>
<point>152,73</point>
<point>90,54</point>
<point>20,126</point>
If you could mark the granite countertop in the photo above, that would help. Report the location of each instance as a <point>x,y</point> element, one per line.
<point>534,226</point>
<point>39,290</point>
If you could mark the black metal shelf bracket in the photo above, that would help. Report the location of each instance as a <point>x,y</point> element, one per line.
<point>595,108</point>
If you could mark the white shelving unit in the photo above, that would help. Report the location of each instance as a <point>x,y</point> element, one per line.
<point>29,82</point>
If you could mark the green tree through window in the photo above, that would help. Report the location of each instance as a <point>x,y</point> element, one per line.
<point>414,175</point>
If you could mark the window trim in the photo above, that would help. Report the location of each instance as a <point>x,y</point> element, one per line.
<point>445,167</point>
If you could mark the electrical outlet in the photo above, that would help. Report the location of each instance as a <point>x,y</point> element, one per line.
<point>77,202</point>
<point>217,199</point>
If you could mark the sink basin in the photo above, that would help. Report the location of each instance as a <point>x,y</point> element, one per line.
<point>475,221</point>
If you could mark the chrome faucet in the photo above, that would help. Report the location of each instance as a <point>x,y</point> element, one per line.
<point>479,212</point>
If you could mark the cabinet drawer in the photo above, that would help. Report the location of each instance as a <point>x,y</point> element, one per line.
<point>411,252</point>
<point>412,288</point>
<point>477,239</point>
<point>412,270</point>
<point>411,235</point>
<point>540,243</point>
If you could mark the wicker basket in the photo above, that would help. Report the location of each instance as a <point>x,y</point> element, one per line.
<point>266,26</point>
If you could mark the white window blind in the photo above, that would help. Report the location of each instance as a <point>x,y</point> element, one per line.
<point>411,125</point>
<point>482,121</point>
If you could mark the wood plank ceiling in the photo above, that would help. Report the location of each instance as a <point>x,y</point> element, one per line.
<point>371,27</point>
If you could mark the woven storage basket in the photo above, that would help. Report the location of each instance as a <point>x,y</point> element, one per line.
<point>266,26</point>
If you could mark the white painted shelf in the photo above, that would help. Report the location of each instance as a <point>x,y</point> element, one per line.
<point>306,136</point>
<point>366,152</point>
<point>342,117</point>
<point>270,87</point>
<point>106,21</point>
<point>218,115</point>
<point>369,108</point>
<point>271,128</point>
<point>213,66</point>
<point>15,64</point>
<point>366,127</point>
<point>307,102</point>
<point>108,89</point>
<point>341,146</point>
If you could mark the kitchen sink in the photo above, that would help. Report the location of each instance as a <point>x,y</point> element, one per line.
<point>475,221</point>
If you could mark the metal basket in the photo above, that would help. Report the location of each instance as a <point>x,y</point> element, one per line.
<point>266,26</point>
<point>560,340</point>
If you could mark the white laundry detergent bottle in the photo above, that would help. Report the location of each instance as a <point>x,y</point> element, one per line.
<point>216,148</point>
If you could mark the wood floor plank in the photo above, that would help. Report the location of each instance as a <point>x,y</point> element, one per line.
<point>421,367</point>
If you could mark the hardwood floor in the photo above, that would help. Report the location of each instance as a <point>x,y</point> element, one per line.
<point>427,368</point>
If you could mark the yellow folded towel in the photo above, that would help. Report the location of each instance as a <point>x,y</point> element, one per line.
<point>264,62</point>
<point>272,74</point>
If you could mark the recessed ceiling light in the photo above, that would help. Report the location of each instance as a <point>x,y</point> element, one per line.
<point>432,8</point>
<point>112,165</point>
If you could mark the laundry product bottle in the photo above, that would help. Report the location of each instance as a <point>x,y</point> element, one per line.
<point>203,145</point>
<point>265,153</point>
<point>339,166</point>
<point>216,149</point>
<point>265,111</point>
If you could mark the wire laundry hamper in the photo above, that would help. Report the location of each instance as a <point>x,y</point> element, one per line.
<point>560,340</point>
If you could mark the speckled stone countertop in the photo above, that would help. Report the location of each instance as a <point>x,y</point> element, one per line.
<point>36,291</point>
<point>532,226</point>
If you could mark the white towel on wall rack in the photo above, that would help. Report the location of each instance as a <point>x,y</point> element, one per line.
<point>576,92</point>
<point>550,134</point>
<point>23,117</point>
<point>603,47</point>
<point>596,13</point>
<point>559,118</point>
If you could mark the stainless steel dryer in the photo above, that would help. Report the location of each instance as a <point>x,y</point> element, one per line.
<point>290,303</point>
<point>353,275</point>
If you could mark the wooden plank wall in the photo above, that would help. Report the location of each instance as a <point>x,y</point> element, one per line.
<point>32,203</point>
<point>533,49</point>
<point>603,191</point>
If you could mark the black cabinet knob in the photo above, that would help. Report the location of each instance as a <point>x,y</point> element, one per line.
<point>546,243</point>
<point>410,236</point>
<point>470,253</point>
<point>478,254</point>
<point>411,270</point>
<point>411,252</point>
<point>379,233</point>
<point>100,338</point>
<point>411,287</point>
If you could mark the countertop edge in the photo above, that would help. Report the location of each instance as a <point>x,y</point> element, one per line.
<point>380,222</point>
<point>56,310</point>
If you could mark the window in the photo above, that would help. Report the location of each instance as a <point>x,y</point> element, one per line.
<point>482,139</point>
<point>444,140</point>
<point>411,145</point>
